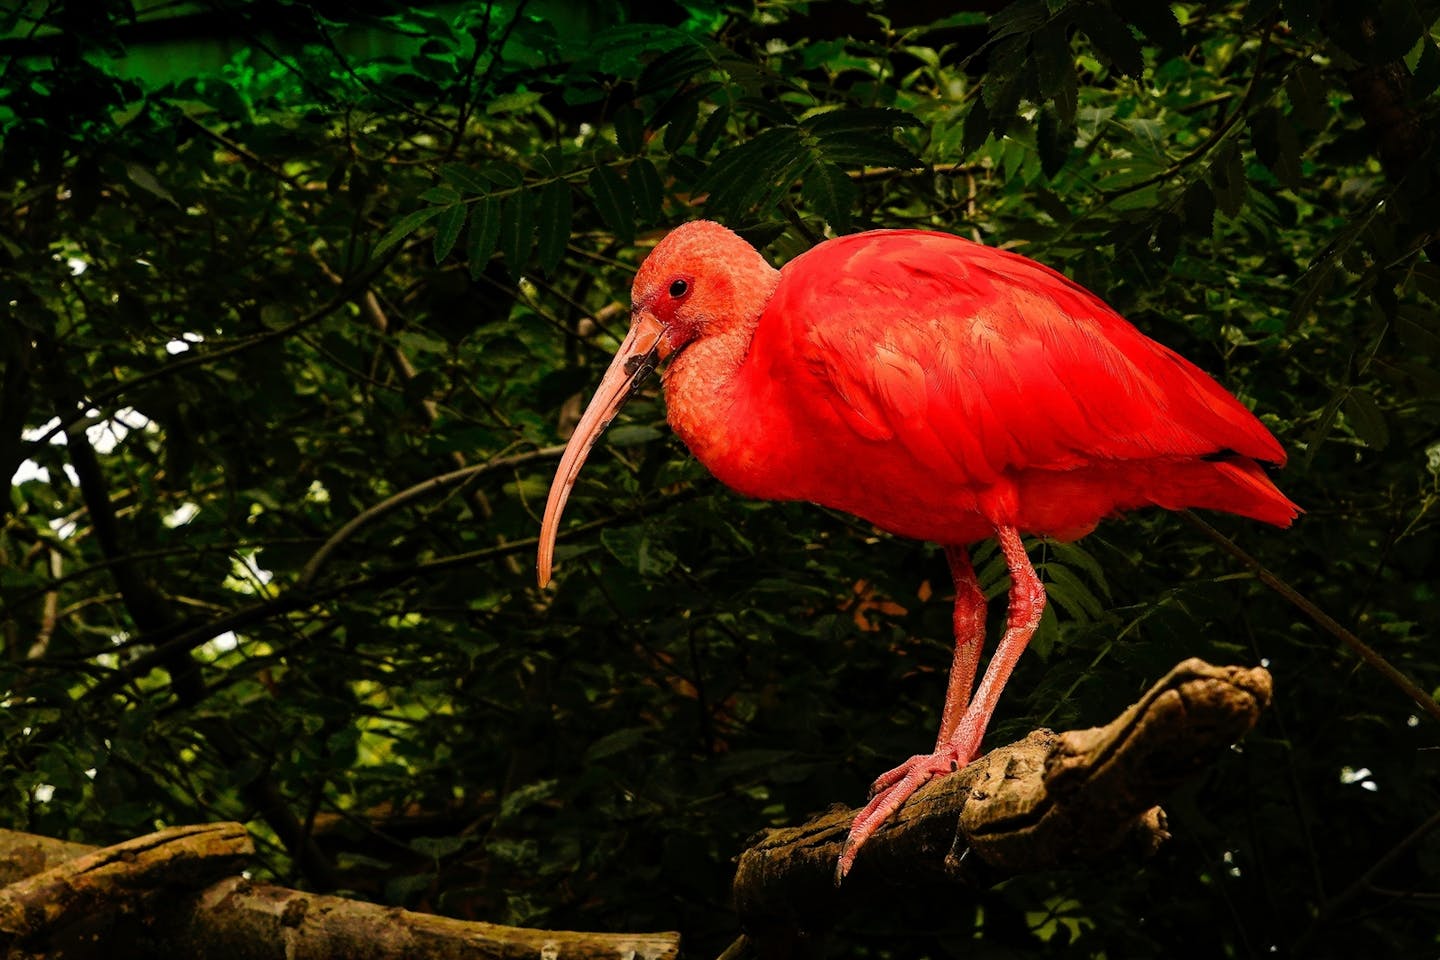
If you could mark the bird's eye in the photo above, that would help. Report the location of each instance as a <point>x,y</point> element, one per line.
<point>678,288</point>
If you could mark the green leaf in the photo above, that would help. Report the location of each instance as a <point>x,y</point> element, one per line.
<point>622,50</point>
<point>447,229</point>
<point>616,741</point>
<point>680,125</point>
<point>529,795</point>
<point>687,171</point>
<point>631,435</point>
<point>613,201</point>
<point>554,224</point>
<point>673,67</point>
<point>637,549</point>
<point>1112,39</point>
<point>1366,419</point>
<point>517,231</point>
<point>1426,78</point>
<point>1227,177</point>
<point>859,119</point>
<point>860,149</point>
<point>863,136</point>
<point>516,101</point>
<point>1309,97</point>
<point>831,193</point>
<point>484,234</point>
<point>711,130</point>
<point>1023,16</point>
<point>646,189</point>
<point>1053,59</point>
<point>144,178</point>
<point>405,226</point>
<point>1156,21</point>
<point>762,166</point>
<point>1199,206</point>
<point>441,194</point>
<point>1053,140</point>
<point>629,129</point>
<point>464,179</point>
<point>1075,555</point>
<point>977,127</point>
<point>503,174</point>
<point>1276,144</point>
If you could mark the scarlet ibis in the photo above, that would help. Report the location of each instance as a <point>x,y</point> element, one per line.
<point>940,389</point>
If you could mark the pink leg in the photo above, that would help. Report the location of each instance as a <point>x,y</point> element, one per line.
<point>892,789</point>
<point>969,640</point>
<point>969,620</point>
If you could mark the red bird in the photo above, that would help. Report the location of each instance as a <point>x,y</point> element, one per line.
<point>940,389</point>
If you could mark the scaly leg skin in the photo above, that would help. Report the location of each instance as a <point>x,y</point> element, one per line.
<point>892,789</point>
<point>969,640</point>
<point>969,621</point>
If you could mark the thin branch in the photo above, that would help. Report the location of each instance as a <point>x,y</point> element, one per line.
<point>1363,650</point>
<point>425,488</point>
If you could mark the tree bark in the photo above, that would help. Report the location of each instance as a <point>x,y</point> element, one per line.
<point>1046,801</point>
<point>78,901</point>
<point>157,896</point>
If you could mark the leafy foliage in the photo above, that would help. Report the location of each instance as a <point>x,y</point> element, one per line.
<point>291,338</point>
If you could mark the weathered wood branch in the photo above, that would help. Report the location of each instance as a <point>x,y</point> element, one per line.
<point>1048,800</point>
<point>77,897</point>
<point>158,896</point>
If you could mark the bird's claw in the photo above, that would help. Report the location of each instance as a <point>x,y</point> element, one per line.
<point>888,794</point>
<point>946,760</point>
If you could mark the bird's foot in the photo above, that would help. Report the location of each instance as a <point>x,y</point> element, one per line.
<point>890,791</point>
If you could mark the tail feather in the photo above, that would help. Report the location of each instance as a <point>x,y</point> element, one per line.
<point>1233,484</point>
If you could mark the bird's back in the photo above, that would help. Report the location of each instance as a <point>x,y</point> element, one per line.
<point>922,376</point>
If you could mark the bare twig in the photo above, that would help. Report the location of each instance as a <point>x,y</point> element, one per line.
<point>425,488</point>
<point>1329,624</point>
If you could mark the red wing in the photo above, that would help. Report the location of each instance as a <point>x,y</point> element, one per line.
<point>979,361</point>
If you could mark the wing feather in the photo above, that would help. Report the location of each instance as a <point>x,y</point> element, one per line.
<point>981,362</point>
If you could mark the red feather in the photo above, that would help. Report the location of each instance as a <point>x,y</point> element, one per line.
<point>939,388</point>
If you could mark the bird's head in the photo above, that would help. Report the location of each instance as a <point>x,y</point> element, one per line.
<point>691,286</point>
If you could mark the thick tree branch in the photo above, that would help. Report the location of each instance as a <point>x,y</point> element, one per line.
<point>69,899</point>
<point>1048,800</point>
<point>79,897</point>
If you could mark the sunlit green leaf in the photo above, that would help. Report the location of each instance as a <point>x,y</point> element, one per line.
<point>403,227</point>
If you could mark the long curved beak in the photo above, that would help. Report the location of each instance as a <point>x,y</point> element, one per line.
<point>634,361</point>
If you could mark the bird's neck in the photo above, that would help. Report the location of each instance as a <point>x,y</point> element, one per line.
<point>716,396</point>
